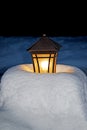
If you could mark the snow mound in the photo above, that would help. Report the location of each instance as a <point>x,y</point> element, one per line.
<point>43,100</point>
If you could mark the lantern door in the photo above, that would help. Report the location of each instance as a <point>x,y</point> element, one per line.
<point>44,63</point>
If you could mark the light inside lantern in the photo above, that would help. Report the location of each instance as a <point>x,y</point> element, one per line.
<point>44,63</point>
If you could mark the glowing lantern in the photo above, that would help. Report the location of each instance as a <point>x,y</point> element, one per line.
<point>44,55</point>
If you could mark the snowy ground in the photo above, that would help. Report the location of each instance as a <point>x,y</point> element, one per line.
<point>30,101</point>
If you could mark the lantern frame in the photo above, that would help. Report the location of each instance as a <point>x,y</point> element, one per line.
<point>47,57</point>
<point>44,53</point>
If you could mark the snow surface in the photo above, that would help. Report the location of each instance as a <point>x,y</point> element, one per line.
<point>30,101</point>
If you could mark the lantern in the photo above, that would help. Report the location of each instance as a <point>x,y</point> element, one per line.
<point>44,55</point>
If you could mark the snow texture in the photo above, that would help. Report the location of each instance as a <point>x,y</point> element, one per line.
<point>31,101</point>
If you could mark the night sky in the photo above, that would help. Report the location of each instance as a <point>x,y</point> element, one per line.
<point>56,31</point>
<point>43,23</point>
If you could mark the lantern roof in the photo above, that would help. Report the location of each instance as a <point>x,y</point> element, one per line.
<point>44,44</point>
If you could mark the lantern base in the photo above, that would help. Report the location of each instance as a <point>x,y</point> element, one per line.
<point>60,68</point>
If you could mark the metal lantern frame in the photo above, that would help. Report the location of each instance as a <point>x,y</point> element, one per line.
<point>45,50</point>
<point>48,56</point>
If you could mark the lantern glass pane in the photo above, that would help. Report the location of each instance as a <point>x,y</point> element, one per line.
<point>44,63</point>
<point>51,65</point>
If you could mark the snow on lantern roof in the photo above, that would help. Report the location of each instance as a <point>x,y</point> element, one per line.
<point>44,44</point>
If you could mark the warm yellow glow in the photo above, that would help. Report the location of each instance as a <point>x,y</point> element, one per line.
<point>27,67</point>
<point>64,69</point>
<point>44,65</point>
<point>60,68</point>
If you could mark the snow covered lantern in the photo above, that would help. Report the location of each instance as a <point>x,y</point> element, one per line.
<point>44,55</point>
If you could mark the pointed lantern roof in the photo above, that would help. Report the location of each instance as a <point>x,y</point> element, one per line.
<point>44,44</point>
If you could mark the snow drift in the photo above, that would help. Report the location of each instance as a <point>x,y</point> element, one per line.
<point>46,101</point>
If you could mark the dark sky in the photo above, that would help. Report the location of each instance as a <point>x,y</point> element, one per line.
<point>38,32</point>
<point>34,30</point>
<point>37,27</point>
<point>54,21</point>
